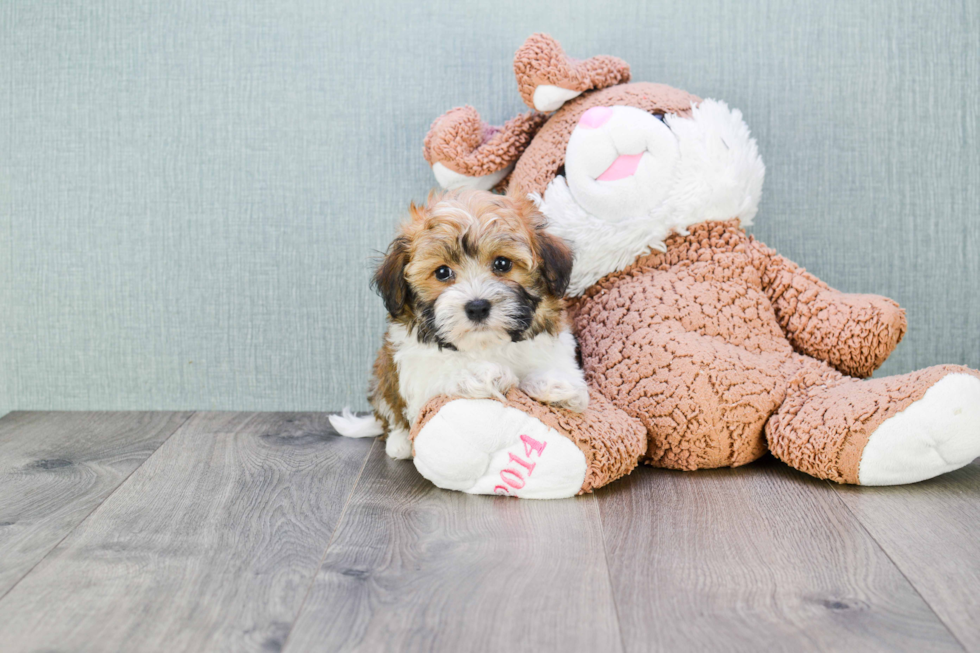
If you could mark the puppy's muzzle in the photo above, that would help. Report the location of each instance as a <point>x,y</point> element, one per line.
<point>477,310</point>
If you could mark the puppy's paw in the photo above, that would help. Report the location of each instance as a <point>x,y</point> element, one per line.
<point>398,446</point>
<point>557,389</point>
<point>486,381</point>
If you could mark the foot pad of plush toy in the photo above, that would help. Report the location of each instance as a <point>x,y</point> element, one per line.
<point>938,433</point>
<point>481,446</point>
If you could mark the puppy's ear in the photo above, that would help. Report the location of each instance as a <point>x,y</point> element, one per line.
<point>389,279</point>
<point>556,261</point>
<point>553,252</point>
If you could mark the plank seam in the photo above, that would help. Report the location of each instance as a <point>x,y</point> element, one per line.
<point>908,580</point>
<point>85,519</point>
<point>333,536</point>
<point>605,557</point>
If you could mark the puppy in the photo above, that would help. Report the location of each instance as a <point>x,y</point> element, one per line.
<point>473,285</point>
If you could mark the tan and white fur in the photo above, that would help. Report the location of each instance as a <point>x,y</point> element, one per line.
<point>473,285</point>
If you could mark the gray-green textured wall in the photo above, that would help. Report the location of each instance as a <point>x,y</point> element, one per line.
<point>191,191</point>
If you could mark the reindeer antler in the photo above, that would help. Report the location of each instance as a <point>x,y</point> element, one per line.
<point>464,151</point>
<point>547,77</point>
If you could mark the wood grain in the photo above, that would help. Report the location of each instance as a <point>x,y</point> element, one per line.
<point>216,542</point>
<point>415,568</point>
<point>756,559</point>
<point>55,468</point>
<point>210,545</point>
<point>931,531</point>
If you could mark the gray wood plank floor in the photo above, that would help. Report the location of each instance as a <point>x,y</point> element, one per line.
<point>418,568</point>
<point>56,468</point>
<point>210,545</point>
<point>756,558</point>
<point>267,532</point>
<point>931,530</point>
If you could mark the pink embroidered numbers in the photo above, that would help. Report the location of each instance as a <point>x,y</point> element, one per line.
<point>515,476</point>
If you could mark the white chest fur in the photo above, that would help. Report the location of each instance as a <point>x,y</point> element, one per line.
<point>425,371</point>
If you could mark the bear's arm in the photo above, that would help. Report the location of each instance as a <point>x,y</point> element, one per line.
<point>854,333</point>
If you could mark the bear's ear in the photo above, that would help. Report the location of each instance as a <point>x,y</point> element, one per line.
<point>466,152</point>
<point>547,78</point>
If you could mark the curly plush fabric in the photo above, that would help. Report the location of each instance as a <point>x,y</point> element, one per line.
<point>541,60</point>
<point>705,342</point>
<point>465,144</point>
<point>854,333</point>
<point>611,441</point>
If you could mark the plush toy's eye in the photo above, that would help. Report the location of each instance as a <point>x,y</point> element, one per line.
<point>444,273</point>
<point>502,264</point>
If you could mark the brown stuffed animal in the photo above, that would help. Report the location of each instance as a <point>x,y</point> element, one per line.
<point>702,347</point>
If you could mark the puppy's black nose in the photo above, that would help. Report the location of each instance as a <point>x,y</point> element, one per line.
<point>477,310</point>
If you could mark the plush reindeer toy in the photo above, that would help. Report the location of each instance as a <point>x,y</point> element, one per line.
<point>701,346</point>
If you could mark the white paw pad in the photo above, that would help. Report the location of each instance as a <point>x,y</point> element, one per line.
<point>484,381</point>
<point>398,445</point>
<point>557,391</point>
<point>938,433</point>
<point>481,446</point>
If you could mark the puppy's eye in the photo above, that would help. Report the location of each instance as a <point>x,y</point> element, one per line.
<point>444,273</point>
<point>502,264</point>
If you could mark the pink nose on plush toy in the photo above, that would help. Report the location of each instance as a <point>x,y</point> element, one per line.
<point>595,117</point>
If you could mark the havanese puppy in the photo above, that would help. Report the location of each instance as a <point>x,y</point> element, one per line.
<point>473,285</point>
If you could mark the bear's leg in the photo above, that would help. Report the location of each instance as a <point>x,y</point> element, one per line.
<point>704,402</point>
<point>888,431</point>
<point>523,448</point>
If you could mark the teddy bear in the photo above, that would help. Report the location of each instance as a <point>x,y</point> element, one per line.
<point>701,346</point>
